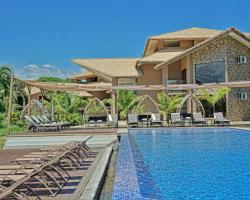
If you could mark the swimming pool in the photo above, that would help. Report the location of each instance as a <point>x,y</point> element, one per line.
<point>189,163</point>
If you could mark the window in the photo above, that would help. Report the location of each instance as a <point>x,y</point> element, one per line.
<point>171,44</point>
<point>210,72</point>
<point>241,59</point>
<point>126,81</point>
<point>242,95</point>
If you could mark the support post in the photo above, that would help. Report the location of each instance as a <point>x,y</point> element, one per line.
<point>29,99</point>
<point>42,101</point>
<point>52,110</point>
<point>10,102</point>
<point>114,100</point>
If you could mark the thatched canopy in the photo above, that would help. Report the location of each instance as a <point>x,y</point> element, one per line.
<point>81,93</point>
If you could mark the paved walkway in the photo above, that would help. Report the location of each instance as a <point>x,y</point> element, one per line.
<point>27,142</point>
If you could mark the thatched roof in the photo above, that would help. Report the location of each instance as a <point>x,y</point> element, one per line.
<point>34,90</point>
<point>162,55</point>
<point>231,32</point>
<point>81,93</point>
<point>110,67</point>
<point>53,86</point>
<point>190,33</point>
<point>185,34</point>
<point>82,76</point>
<point>108,86</point>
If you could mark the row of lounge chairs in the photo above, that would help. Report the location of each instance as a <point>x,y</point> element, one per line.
<point>198,119</point>
<point>177,119</point>
<point>110,121</point>
<point>45,171</point>
<point>42,123</point>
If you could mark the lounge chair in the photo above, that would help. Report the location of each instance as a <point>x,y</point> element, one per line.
<point>219,119</point>
<point>96,120</point>
<point>37,127</point>
<point>61,124</point>
<point>198,119</point>
<point>132,120</point>
<point>41,119</point>
<point>176,119</point>
<point>38,121</point>
<point>112,120</point>
<point>156,119</point>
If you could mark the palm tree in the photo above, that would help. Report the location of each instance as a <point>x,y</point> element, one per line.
<point>126,102</point>
<point>214,97</point>
<point>5,74</point>
<point>65,104</point>
<point>168,104</point>
<point>95,108</point>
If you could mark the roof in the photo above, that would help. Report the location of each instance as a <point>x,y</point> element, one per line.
<point>110,67</point>
<point>82,75</point>
<point>81,93</point>
<point>34,90</point>
<point>190,33</point>
<point>231,32</point>
<point>162,55</point>
<point>54,86</point>
<point>185,34</point>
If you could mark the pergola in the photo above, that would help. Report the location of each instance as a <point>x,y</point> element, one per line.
<point>51,86</point>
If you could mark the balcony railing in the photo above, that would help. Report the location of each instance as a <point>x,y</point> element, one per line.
<point>171,82</point>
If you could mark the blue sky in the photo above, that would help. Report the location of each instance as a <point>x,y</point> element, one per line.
<point>49,33</point>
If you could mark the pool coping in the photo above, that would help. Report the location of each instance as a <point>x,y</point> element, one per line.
<point>94,184</point>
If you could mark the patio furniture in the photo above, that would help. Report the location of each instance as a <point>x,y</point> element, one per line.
<point>96,120</point>
<point>61,124</point>
<point>156,120</point>
<point>219,119</point>
<point>175,118</point>
<point>198,119</point>
<point>132,120</point>
<point>144,119</point>
<point>38,127</point>
<point>112,120</point>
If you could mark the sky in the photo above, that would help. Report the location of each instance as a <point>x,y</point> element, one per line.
<point>41,37</point>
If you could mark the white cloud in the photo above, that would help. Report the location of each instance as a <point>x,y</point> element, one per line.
<point>34,71</point>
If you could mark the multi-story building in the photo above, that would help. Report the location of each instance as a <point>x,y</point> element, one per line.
<point>194,55</point>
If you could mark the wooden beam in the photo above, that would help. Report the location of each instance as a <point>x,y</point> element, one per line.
<point>10,102</point>
<point>29,87</point>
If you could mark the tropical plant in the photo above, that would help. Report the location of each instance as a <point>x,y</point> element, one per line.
<point>5,74</point>
<point>67,107</point>
<point>95,107</point>
<point>53,79</point>
<point>127,102</point>
<point>167,103</point>
<point>214,97</point>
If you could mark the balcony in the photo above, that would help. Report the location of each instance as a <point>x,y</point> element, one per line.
<point>172,82</point>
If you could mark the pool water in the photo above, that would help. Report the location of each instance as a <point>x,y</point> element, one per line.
<point>192,163</point>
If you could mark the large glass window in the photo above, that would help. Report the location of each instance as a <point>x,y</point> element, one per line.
<point>210,72</point>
